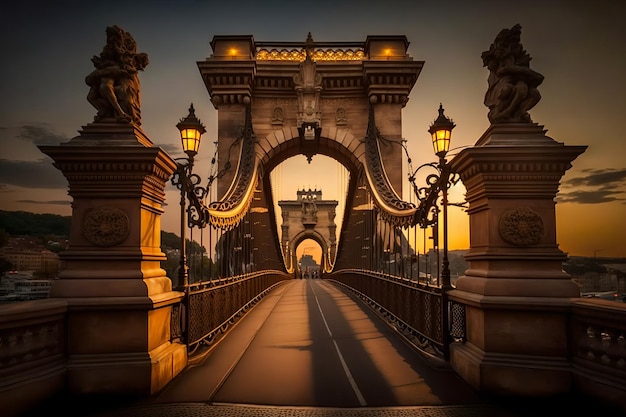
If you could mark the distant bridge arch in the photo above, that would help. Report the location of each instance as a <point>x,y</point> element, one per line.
<point>317,238</point>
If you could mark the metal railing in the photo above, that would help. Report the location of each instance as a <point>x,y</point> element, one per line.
<point>209,308</point>
<point>416,310</point>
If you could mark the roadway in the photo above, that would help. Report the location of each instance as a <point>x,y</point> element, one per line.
<point>308,349</point>
<point>308,344</point>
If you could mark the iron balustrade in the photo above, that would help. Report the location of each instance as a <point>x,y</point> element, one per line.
<point>210,307</point>
<point>413,308</point>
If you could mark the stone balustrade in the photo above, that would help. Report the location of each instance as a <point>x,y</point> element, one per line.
<point>32,352</point>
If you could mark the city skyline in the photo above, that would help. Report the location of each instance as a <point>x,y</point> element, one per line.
<point>572,44</point>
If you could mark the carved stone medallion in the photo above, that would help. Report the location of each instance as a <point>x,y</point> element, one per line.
<point>106,226</point>
<point>521,227</point>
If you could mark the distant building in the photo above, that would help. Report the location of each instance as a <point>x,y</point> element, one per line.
<point>590,282</point>
<point>21,286</point>
<point>308,267</point>
<point>33,270</point>
<point>42,261</point>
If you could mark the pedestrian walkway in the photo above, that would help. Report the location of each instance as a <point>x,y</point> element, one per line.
<point>308,349</point>
<point>229,410</point>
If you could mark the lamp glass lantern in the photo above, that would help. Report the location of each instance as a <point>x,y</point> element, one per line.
<point>441,132</point>
<point>191,130</point>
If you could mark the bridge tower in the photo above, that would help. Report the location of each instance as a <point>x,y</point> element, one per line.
<point>309,98</point>
<point>309,217</point>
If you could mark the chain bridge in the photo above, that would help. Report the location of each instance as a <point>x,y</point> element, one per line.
<point>238,330</point>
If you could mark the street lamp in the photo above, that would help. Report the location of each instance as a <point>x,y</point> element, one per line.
<point>191,130</point>
<point>441,131</point>
<point>426,214</point>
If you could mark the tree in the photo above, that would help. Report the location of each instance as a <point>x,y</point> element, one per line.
<point>4,238</point>
<point>5,266</point>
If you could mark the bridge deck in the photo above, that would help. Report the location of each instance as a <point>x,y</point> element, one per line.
<point>308,349</point>
<point>309,345</point>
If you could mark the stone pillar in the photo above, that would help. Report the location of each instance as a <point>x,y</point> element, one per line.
<point>515,291</point>
<point>120,300</point>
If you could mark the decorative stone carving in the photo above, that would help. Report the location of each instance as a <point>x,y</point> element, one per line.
<point>340,117</point>
<point>521,227</point>
<point>512,84</point>
<point>114,84</point>
<point>284,54</point>
<point>277,116</point>
<point>106,226</point>
<point>308,85</point>
<point>309,211</point>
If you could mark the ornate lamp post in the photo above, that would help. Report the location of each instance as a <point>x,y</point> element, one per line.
<point>191,130</point>
<point>427,213</point>
<point>441,131</point>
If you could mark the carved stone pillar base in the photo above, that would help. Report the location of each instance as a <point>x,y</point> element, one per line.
<point>120,300</point>
<point>515,292</point>
<point>515,345</point>
<point>121,346</point>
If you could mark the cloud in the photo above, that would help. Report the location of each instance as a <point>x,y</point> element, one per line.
<point>31,174</point>
<point>170,149</point>
<point>49,202</point>
<point>40,135</point>
<point>594,187</point>
<point>595,177</point>
<point>589,197</point>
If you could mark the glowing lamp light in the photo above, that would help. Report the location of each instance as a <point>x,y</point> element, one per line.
<point>191,130</point>
<point>441,132</point>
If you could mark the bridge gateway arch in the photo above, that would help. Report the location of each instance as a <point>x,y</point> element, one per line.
<point>309,98</point>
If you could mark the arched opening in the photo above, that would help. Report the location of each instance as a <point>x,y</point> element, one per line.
<point>309,248</point>
<point>309,255</point>
<point>287,172</point>
<point>323,177</point>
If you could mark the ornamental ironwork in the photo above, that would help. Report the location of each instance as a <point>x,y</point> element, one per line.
<point>229,211</point>
<point>391,207</point>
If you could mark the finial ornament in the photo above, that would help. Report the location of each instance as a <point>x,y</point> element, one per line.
<point>513,85</point>
<point>114,84</point>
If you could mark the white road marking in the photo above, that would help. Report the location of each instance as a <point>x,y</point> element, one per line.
<point>346,370</point>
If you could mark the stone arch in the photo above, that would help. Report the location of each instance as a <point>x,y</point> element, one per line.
<point>319,239</point>
<point>339,144</point>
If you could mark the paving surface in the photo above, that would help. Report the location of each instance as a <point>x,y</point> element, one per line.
<point>308,349</point>
<point>205,410</point>
<point>308,344</point>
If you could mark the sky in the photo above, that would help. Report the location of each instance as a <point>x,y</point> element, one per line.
<point>578,46</point>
